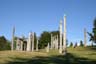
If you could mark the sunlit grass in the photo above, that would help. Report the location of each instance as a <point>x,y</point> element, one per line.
<point>6,56</point>
<point>82,52</point>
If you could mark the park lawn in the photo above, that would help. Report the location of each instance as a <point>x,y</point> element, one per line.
<point>84,52</point>
<point>79,55</point>
<point>10,56</point>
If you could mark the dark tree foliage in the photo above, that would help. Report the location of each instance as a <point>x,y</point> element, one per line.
<point>56,33</point>
<point>8,45</point>
<point>4,44</point>
<point>71,44</point>
<point>81,43</point>
<point>45,38</point>
<point>93,34</point>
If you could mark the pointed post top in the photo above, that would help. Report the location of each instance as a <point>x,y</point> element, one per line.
<point>64,15</point>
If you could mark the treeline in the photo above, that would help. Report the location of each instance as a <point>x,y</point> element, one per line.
<point>4,43</point>
<point>81,44</point>
<point>45,38</point>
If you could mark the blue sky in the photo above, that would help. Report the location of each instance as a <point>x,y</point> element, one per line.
<point>44,15</point>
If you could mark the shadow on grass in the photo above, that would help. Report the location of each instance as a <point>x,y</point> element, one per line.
<point>92,48</point>
<point>68,59</point>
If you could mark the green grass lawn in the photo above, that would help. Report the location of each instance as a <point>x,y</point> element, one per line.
<point>79,55</point>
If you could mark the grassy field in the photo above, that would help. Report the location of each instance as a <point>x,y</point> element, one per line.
<point>79,55</point>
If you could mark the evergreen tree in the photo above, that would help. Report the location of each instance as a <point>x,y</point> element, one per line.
<point>44,39</point>
<point>81,43</point>
<point>4,43</point>
<point>71,44</point>
<point>93,34</point>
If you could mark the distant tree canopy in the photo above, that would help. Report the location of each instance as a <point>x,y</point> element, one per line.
<point>93,34</point>
<point>45,38</point>
<point>4,43</point>
<point>71,44</point>
<point>81,43</point>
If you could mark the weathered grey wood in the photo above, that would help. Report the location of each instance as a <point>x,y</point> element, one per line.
<point>60,30</point>
<point>32,42</point>
<point>47,49</point>
<point>37,45</point>
<point>12,44</point>
<point>29,42</point>
<point>85,39</point>
<point>64,36</point>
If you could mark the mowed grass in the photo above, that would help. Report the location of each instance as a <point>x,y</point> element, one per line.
<point>78,55</point>
<point>11,56</point>
<point>84,52</point>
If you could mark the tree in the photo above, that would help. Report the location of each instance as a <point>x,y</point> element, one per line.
<point>54,33</point>
<point>71,44</point>
<point>93,34</point>
<point>4,43</point>
<point>81,43</point>
<point>8,47</point>
<point>44,39</point>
